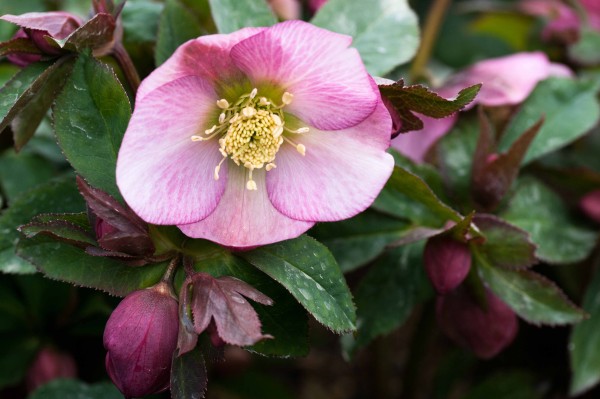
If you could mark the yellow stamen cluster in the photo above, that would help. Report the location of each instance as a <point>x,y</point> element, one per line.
<point>252,130</point>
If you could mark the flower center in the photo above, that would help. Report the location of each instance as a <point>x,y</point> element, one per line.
<point>251,132</point>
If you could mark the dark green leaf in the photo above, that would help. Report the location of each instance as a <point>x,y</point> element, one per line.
<point>357,241</point>
<point>22,172</point>
<point>417,98</point>
<point>140,21</point>
<point>285,320</point>
<point>70,228</point>
<point>587,49</point>
<point>231,15</point>
<point>72,389</point>
<point>539,211</point>
<point>90,118</point>
<point>64,262</point>
<point>407,196</point>
<point>570,108</point>
<point>585,341</point>
<point>533,297</point>
<point>309,272</point>
<point>188,376</point>
<point>389,292</point>
<point>386,33</point>
<point>177,25</point>
<point>505,245</point>
<point>59,195</point>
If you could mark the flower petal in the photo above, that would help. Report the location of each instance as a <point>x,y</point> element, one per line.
<point>331,88</point>
<point>206,56</point>
<point>243,218</point>
<point>58,24</point>
<point>414,145</point>
<point>340,175</point>
<point>164,176</point>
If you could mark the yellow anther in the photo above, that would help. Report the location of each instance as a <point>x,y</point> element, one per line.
<point>301,149</point>
<point>302,130</point>
<point>248,112</point>
<point>222,117</point>
<point>287,98</point>
<point>277,131</point>
<point>264,102</point>
<point>270,166</point>
<point>251,185</point>
<point>277,119</point>
<point>222,103</point>
<point>253,93</point>
<point>212,129</point>
<point>197,138</point>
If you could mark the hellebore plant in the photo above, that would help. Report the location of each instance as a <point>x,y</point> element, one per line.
<point>265,131</point>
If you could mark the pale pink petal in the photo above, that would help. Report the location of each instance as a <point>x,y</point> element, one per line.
<point>560,70</point>
<point>506,80</point>
<point>244,218</point>
<point>414,145</point>
<point>164,176</point>
<point>206,56</point>
<point>58,24</point>
<point>340,175</point>
<point>331,87</point>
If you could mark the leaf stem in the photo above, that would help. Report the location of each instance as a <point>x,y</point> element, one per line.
<point>124,60</point>
<point>431,28</point>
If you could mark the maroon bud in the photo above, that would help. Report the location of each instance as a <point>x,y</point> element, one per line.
<point>59,25</point>
<point>103,228</point>
<point>140,338</point>
<point>50,364</point>
<point>315,5</point>
<point>590,204</point>
<point>22,59</point>
<point>485,332</point>
<point>447,262</point>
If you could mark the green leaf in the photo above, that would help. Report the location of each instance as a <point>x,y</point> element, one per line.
<point>587,49</point>
<point>310,273</point>
<point>285,320</point>
<point>90,118</point>
<point>177,25</point>
<point>231,15</point>
<point>64,262</point>
<point>505,245</point>
<point>96,33</point>
<point>357,241</point>
<point>72,228</point>
<point>188,375</point>
<point>386,32</point>
<point>417,98</point>
<point>140,21</point>
<point>570,108</point>
<point>407,196</point>
<point>72,389</point>
<point>391,289</point>
<point>533,297</point>
<point>19,90</point>
<point>59,195</point>
<point>539,211</point>
<point>22,172</point>
<point>585,341</point>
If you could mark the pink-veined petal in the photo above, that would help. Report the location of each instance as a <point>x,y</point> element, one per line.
<point>245,219</point>
<point>58,24</point>
<point>414,145</point>
<point>206,56</point>
<point>341,174</point>
<point>331,87</point>
<point>164,176</point>
<point>506,80</point>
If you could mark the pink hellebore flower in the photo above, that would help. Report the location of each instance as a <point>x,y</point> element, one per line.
<point>249,138</point>
<point>563,20</point>
<point>506,81</point>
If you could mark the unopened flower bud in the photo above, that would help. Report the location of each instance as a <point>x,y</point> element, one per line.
<point>590,204</point>
<point>102,228</point>
<point>140,338</point>
<point>50,364</point>
<point>22,59</point>
<point>447,262</point>
<point>486,332</point>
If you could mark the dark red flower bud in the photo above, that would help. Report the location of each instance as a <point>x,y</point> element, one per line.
<point>590,204</point>
<point>140,337</point>
<point>22,59</point>
<point>50,364</point>
<point>447,262</point>
<point>103,228</point>
<point>486,332</point>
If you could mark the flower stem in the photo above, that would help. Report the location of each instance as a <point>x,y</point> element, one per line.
<point>131,74</point>
<point>168,276</point>
<point>431,28</point>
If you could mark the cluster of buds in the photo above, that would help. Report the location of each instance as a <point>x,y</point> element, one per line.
<point>481,323</point>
